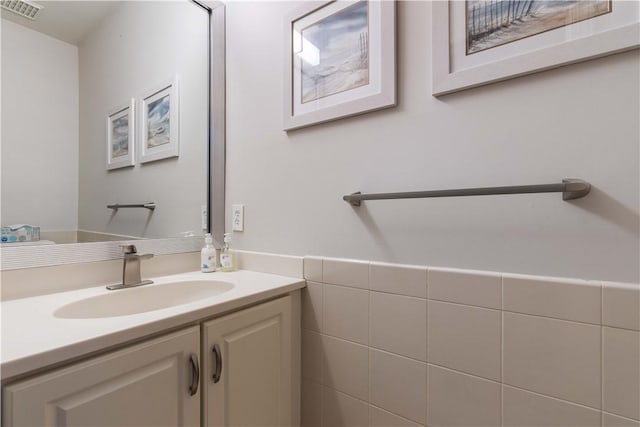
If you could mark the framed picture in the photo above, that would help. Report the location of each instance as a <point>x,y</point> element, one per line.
<point>159,123</point>
<point>340,60</point>
<point>476,42</point>
<point>120,136</point>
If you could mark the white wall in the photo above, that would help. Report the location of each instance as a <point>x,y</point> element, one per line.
<point>39,129</point>
<point>579,121</point>
<point>135,50</point>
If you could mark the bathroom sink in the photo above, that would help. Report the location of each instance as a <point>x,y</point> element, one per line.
<point>142,299</point>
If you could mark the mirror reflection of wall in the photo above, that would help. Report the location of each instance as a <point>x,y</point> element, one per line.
<point>56,94</point>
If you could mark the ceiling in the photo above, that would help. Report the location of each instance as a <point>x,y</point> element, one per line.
<point>68,21</point>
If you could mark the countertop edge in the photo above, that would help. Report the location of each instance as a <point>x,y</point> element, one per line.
<point>13,370</point>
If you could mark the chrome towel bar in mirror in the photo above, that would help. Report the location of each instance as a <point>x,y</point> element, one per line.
<point>150,206</point>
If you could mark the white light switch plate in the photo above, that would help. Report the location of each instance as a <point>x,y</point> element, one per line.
<point>203,217</point>
<point>237,217</point>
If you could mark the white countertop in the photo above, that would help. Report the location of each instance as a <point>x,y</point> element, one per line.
<point>33,337</point>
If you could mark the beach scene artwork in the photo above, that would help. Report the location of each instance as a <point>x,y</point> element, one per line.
<point>491,23</point>
<point>159,122</point>
<point>337,53</point>
<point>120,136</point>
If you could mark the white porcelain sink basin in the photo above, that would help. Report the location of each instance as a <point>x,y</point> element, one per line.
<point>124,302</point>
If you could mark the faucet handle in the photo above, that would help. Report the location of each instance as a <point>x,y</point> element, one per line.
<point>129,249</point>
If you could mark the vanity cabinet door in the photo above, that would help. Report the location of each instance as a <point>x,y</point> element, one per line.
<point>250,355</point>
<point>148,384</point>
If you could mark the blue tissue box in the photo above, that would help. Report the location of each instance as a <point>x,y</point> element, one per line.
<point>20,233</point>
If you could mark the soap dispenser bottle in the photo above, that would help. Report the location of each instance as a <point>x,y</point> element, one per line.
<point>227,262</point>
<point>208,255</point>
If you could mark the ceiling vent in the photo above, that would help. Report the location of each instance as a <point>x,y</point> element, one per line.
<point>23,8</point>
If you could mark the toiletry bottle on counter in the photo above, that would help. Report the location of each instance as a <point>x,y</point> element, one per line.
<point>227,263</point>
<point>208,255</point>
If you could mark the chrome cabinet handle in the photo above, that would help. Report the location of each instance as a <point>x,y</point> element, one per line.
<point>217,363</point>
<point>195,375</point>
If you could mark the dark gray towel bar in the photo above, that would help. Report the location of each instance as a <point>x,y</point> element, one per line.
<point>570,189</point>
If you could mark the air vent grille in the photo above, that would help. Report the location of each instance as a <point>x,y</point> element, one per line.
<point>23,8</point>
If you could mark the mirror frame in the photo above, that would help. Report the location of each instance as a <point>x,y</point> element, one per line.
<point>13,258</point>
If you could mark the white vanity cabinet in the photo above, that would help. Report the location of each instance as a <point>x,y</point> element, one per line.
<point>247,373</point>
<point>148,384</point>
<point>168,381</point>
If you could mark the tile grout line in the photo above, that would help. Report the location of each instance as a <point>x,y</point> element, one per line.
<point>565,401</point>
<point>620,328</point>
<point>395,414</point>
<point>396,293</point>
<point>575,322</point>
<point>369,358</point>
<point>520,313</point>
<point>426,353</point>
<point>322,330</point>
<point>625,418</point>
<point>502,350</point>
<point>601,354</point>
<point>369,296</point>
<point>459,372</point>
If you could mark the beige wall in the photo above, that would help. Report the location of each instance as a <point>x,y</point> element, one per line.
<point>579,121</point>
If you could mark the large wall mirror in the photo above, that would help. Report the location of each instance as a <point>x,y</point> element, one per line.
<point>105,105</point>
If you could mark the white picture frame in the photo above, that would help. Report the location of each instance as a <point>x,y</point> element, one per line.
<point>120,141</point>
<point>614,32</point>
<point>368,47</point>
<point>159,132</point>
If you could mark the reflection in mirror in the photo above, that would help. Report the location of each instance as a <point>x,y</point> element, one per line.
<point>63,75</point>
<point>44,155</point>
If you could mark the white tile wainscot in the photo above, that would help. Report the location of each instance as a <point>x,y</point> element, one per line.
<point>405,345</point>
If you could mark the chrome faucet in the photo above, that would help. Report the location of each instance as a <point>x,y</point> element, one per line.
<point>131,269</point>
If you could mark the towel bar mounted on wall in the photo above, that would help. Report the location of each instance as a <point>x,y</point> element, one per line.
<point>151,206</point>
<point>570,189</point>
